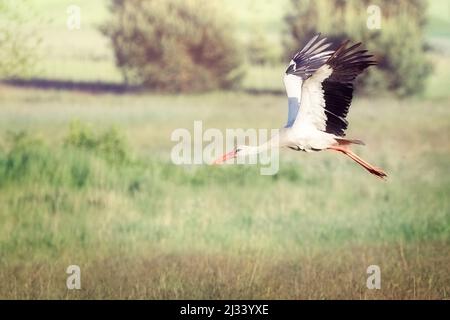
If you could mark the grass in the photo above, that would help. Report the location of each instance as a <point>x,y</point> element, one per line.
<point>86,179</point>
<point>141,227</point>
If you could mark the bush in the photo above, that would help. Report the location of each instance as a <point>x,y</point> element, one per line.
<point>109,145</point>
<point>260,51</point>
<point>18,40</point>
<point>173,45</point>
<point>24,156</point>
<point>29,160</point>
<point>398,45</point>
<point>87,158</point>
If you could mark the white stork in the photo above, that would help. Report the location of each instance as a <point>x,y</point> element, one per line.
<point>319,86</point>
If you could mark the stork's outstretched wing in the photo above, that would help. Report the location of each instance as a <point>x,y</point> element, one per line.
<point>327,94</point>
<point>304,63</point>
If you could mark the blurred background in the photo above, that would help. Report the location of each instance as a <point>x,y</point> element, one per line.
<point>91,91</point>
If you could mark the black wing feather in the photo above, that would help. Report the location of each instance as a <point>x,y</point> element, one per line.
<point>310,58</point>
<point>347,63</point>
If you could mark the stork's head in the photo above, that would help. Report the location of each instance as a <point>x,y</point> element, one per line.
<point>238,151</point>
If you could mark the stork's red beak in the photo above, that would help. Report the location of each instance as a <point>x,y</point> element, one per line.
<point>226,157</point>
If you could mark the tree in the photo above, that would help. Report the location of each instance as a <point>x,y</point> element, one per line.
<point>260,51</point>
<point>18,43</point>
<point>174,45</point>
<point>397,42</point>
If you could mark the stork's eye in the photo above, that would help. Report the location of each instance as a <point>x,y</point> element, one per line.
<point>237,150</point>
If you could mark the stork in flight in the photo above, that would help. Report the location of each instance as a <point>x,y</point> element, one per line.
<point>319,86</point>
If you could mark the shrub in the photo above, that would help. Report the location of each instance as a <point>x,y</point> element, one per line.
<point>18,41</point>
<point>109,144</point>
<point>29,160</point>
<point>174,45</point>
<point>23,156</point>
<point>87,158</point>
<point>398,45</point>
<point>260,51</point>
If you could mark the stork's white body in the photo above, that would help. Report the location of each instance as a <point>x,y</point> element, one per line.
<point>306,132</point>
<point>306,139</point>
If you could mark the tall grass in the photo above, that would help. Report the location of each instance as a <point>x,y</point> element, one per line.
<point>102,193</point>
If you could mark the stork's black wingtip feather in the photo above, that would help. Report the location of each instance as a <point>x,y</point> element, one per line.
<point>311,57</point>
<point>347,62</point>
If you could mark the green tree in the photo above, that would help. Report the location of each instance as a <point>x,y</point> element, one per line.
<point>174,45</point>
<point>398,44</point>
<point>259,49</point>
<point>19,43</point>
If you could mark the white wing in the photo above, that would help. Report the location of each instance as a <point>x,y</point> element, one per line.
<point>312,111</point>
<point>304,64</point>
<point>327,94</point>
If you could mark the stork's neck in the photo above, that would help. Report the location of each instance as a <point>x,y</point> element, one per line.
<point>273,142</point>
<point>263,147</point>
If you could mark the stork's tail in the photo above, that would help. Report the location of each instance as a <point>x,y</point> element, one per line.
<point>345,142</point>
<point>372,169</point>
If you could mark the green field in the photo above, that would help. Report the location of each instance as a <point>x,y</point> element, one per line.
<point>86,179</point>
<point>145,228</point>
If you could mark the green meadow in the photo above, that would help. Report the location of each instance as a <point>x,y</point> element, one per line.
<point>86,179</point>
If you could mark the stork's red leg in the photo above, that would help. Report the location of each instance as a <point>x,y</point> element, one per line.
<point>372,169</point>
